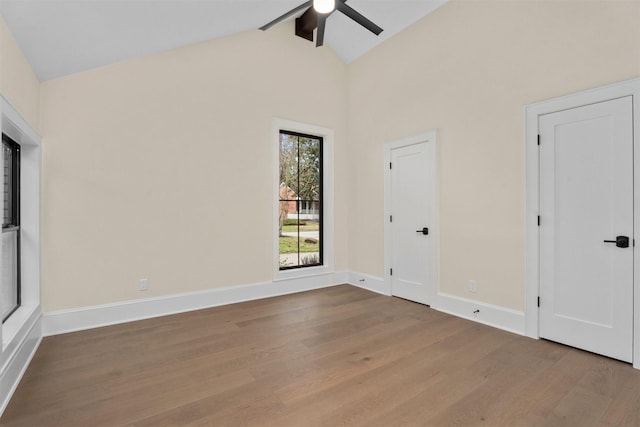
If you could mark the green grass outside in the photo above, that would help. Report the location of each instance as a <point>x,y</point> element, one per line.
<point>305,225</point>
<point>309,226</point>
<point>289,245</point>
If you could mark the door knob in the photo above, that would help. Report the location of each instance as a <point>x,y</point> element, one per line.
<point>424,231</point>
<point>621,241</point>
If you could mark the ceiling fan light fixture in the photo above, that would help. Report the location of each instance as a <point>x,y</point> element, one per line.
<point>324,6</point>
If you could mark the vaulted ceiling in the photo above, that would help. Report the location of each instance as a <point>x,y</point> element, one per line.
<point>60,37</point>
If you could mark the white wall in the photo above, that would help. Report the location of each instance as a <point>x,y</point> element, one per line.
<point>161,167</point>
<point>467,70</point>
<point>147,162</point>
<point>18,83</point>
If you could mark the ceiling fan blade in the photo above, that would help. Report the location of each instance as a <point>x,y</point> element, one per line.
<point>322,19</point>
<point>356,16</point>
<point>286,15</point>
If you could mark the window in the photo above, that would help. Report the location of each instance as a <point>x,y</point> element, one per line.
<point>11,297</point>
<point>300,202</point>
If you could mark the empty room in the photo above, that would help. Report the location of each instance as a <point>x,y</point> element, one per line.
<point>320,213</point>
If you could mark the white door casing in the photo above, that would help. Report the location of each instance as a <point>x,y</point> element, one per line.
<point>533,112</point>
<point>586,197</point>
<point>410,199</point>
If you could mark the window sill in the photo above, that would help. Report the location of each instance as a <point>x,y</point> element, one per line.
<point>298,273</point>
<point>17,324</point>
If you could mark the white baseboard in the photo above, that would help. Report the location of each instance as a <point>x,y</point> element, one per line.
<point>18,361</point>
<point>370,283</point>
<point>488,314</point>
<point>59,322</point>
<point>63,321</point>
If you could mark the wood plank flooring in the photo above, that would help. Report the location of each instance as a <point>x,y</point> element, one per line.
<point>340,356</point>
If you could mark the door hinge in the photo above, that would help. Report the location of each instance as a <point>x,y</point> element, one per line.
<point>538,139</point>
<point>390,167</point>
<point>391,271</point>
<point>390,218</point>
<point>538,220</point>
<point>538,301</point>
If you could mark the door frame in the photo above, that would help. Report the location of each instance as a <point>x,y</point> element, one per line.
<point>431,138</point>
<point>532,195</point>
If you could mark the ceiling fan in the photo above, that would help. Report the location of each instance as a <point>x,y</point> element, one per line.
<point>316,16</point>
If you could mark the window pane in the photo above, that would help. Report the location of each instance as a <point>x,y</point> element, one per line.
<point>309,169</point>
<point>7,217</point>
<point>10,274</point>
<point>289,165</point>
<point>9,283</point>
<point>300,199</point>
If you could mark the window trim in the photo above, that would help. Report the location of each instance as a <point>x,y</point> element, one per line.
<point>20,327</point>
<point>327,199</point>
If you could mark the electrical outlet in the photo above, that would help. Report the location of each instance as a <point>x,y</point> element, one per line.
<point>143,284</point>
<point>473,286</point>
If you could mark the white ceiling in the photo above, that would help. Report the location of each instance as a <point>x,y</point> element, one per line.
<point>61,37</point>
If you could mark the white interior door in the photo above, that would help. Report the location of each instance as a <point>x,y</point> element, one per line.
<point>413,221</point>
<point>586,199</point>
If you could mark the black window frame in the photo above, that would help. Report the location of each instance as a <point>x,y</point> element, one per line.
<point>320,140</point>
<point>13,225</point>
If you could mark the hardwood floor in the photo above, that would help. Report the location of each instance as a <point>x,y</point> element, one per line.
<point>332,357</point>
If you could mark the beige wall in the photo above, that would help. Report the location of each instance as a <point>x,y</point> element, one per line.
<point>468,70</point>
<point>162,167</point>
<point>18,83</point>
